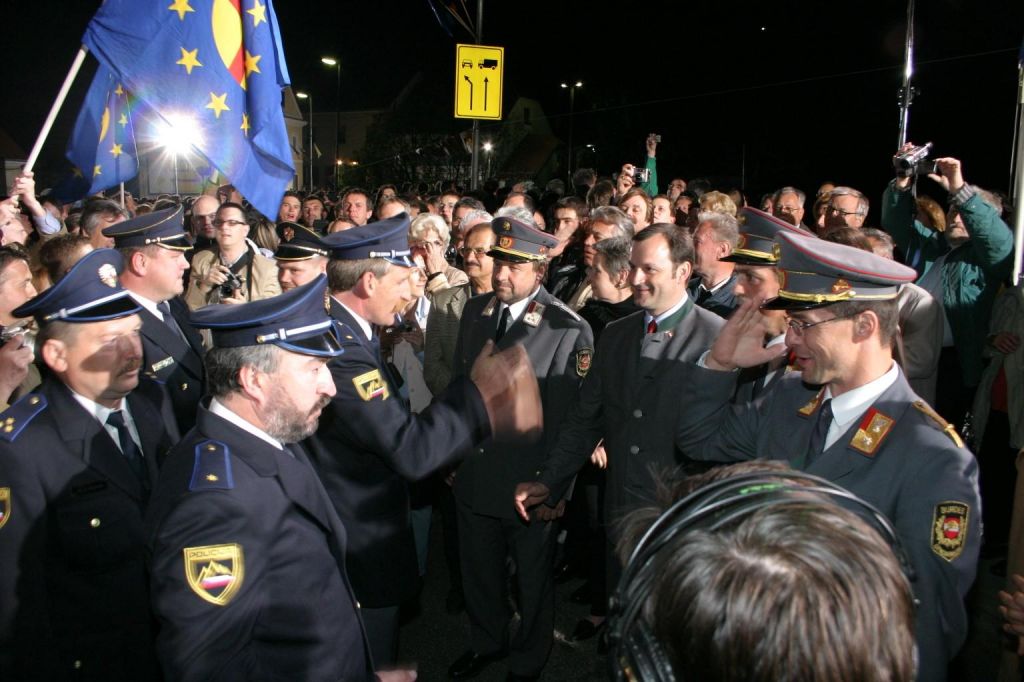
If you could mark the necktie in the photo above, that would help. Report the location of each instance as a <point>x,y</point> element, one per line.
<point>165,310</point>
<point>652,326</point>
<point>820,433</point>
<point>129,449</point>
<point>703,294</point>
<point>502,324</point>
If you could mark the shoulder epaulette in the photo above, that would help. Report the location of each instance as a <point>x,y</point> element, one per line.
<point>942,424</point>
<point>212,468</point>
<point>15,418</point>
<point>344,333</point>
<point>562,305</point>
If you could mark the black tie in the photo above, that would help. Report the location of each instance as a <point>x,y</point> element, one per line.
<point>820,433</point>
<point>502,324</point>
<point>165,310</point>
<point>129,449</point>
<point>703,294</point>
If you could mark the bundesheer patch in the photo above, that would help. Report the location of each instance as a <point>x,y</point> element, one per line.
<point>215,572</point>
<point>5,505</point>
<point>584,358</point>
<point>949,529</point>
<point>371,385</point>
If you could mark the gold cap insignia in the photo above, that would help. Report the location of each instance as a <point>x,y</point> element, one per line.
<point>215,572</point>
<point>5,505</point>
<point>840,285</point>
<point>506,242</point>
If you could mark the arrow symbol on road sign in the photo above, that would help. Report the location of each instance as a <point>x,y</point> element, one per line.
<point>485,92</point>
<point>471,92</point>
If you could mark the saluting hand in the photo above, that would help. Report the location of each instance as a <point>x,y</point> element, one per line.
<point>741,341</point>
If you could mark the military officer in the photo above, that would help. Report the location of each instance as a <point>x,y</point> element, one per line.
<point>300,259</point>
<point>850,416</point>
<point>78,458</point>
<point>369,443</point>
<point>246,552</point>
<point>154,248</point>
<point>561,347</point>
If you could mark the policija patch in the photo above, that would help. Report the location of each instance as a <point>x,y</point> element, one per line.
<point>5,505</point>
<point>949,529</point>
<point>215,572</point>
<point>371,385</point>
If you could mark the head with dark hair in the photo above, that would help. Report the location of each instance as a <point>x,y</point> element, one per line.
<point>57,255</point>
<point>637,205</point>
<point>601,194</point>
<point>97,215</point>
<point>15,281</point>
<point>661,263</point>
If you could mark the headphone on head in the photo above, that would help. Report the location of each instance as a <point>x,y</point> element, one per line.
<point>635,654</point>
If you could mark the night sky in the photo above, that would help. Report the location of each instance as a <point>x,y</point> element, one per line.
<point>793,92</point>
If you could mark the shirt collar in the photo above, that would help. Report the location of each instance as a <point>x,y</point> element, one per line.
<point>516,309</point>
<point>668,313</point>
<point>855,402</point>
<point>100,412</point>
<point>147,304</point>
<point>363,324</point>
<point>218,408</point>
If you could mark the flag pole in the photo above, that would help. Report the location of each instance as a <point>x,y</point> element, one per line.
<point>76,65</point>
<point>122,194</point>
<point>1017,182</point>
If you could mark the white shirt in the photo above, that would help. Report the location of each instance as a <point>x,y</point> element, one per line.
<point>101,413</point>
<point>148,305</point>
<point>218,408</point>
<point>667,314</point>
<point>851,405</point>
<point>516,310</point>
<point>363,324</point>
<point>422,311</point>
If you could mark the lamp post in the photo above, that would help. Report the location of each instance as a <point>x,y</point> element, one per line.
<point>488,149</point>
<point>309,181</point>
<point>572,88</point>
<point>336,65</point>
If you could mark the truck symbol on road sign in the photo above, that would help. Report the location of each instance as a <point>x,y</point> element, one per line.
<point>488,64</point>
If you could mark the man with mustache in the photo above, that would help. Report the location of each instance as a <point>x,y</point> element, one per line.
<point>78,459</point>
<point>246,552</point>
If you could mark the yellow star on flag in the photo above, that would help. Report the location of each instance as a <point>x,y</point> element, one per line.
<point>218,104</point>
<point>258,12</point>
<point>245,125</point>
<point>116,150</point>
<point>252,63</point>
<point>123,121</point>
<point>120,90</point>
<point>96,170</point>
<point>189,59</point>
<point>181,7</point>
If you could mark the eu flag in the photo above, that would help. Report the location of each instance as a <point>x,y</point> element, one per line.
<point>102,146</point>
<point>216,62</point>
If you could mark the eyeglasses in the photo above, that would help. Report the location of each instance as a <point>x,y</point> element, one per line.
<point>229,223</point>
<point>788,209</point>
<point>839,211</point>
<point>799,328</point>
<point>477,251</point>
<point>424,244</point>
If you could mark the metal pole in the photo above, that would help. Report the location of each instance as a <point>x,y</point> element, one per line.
<point>906,96</point>
<point>568,160</point>
<point>474,166</point>
<point>76,65</point>
<point>309,183</point>
<point>337,121</point>
<point>1017,186</point>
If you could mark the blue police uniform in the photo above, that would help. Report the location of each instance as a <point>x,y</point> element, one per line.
<point>172,349</point>
<point>899,455</point>
<point>369,444</point>
<point>74,603</point>
<point>246,552</point>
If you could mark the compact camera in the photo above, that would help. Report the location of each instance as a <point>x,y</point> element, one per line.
<point>230,286</point>
<point>914,161</point>
<point>641,175</point>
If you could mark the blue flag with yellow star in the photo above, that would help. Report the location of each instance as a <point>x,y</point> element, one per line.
<point>102,146</point>
<point>218,64</point>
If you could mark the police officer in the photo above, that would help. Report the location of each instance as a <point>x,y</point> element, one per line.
<point>561,346</point>
<point>849,416</point>
<point>78,458</point>
<point>300,259</point>
<point>369,443</point>
<point>154,247</point>
<point>246,552</point>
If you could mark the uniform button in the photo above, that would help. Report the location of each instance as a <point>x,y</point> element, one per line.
<point>480,450</point>
<point>634,449</point>
<point>358,605</point>
<point>638,413</point>
<point>78,665</point>
<point>94,522</point>
<point>184,387</point>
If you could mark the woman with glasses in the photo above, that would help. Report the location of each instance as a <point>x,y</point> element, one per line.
<point>429,236</point>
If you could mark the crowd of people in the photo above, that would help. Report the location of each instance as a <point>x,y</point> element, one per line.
<point>226,434</point>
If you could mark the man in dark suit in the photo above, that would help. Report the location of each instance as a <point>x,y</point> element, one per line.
<point>369,444</point>
<point>154,247</point>
<point>246,552</point>
<point>711,287</point>
<point>560,345</point>
<point>850,416</point>
<point>78,459</point>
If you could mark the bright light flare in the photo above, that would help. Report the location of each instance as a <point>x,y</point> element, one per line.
<point>179,134</point>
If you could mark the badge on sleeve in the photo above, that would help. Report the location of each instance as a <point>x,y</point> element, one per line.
<point>215,572</point>
<point>371,385</point>
<point>949,529</point>
<point>584,358</point>
<point>5,505</point>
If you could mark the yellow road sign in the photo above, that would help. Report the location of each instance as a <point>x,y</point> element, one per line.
<point>479,71</point>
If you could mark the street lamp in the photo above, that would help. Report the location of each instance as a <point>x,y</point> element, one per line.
<point>336,65</point>
<point>303,95</point>
<point>572,88</point>
<point>488,148</point>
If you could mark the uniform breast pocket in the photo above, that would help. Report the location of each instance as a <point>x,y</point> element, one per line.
<point>99,529</point>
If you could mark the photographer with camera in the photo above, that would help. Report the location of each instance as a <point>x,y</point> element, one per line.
<point>17,373</point>
<point>233,271</point>
<point>645,178</point>
<point>962,267</point>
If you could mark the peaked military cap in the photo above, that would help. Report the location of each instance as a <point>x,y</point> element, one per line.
<point>387,239</point>
<point>162,228</point>
<point>286,230</point>
<point>756,245</point>
<point>304,244</point>
<point>518,242</point>
<point>296,320</point>
<point>89,292</point>
<point>815,273</point>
